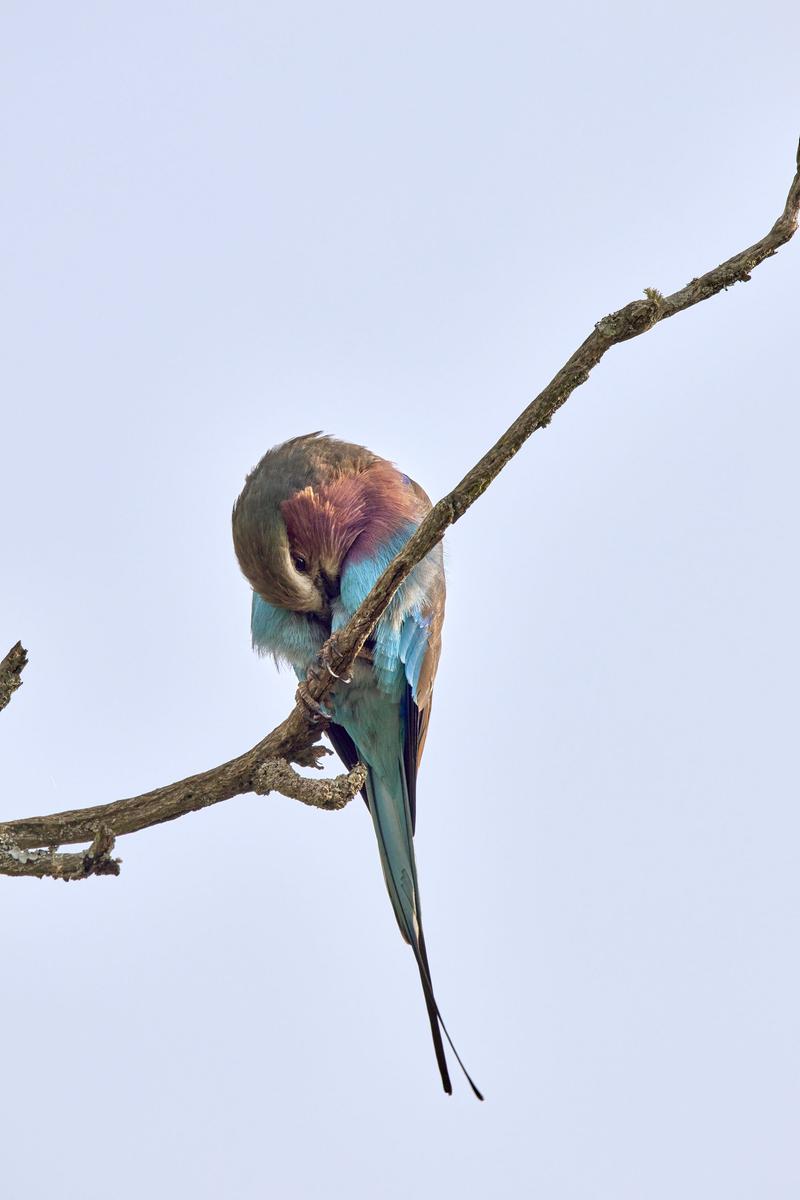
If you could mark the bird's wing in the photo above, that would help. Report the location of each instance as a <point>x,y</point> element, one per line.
<point>420,646</point>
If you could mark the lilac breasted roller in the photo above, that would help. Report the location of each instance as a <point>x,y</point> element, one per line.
<point>316,524</point>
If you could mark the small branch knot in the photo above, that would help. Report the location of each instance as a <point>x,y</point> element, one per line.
<point>635,318</point>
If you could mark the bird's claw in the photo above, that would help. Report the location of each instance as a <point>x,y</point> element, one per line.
<point>341,678</point>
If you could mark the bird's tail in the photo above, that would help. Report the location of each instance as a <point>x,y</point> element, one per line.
<point>391,816</point>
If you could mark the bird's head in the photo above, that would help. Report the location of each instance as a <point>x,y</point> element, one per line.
<point>298,517</point>
<point>322,524</point>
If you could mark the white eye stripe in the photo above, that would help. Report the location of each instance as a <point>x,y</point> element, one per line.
<point>305,597</point>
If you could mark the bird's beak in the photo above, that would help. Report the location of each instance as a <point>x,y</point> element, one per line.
<point>329,584</point>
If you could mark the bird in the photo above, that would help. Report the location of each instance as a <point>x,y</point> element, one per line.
<point>316,524</point>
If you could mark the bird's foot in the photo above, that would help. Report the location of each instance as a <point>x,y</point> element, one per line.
<point>315,710</point>
<point>320,676</point>
<point>311,756</point>
<point>325,661</point>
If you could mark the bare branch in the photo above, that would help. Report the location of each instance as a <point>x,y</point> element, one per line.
<point>10,670</point>
<point>232,778</point>
<point>294,738</point>
<point>635,318</point>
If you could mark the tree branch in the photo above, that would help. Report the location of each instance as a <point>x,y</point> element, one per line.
<point>293,740</point>
<point>10,670</point>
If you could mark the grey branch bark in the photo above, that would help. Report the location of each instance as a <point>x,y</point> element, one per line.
<point>266,766</point>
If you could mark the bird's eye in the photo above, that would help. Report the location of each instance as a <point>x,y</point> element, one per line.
<point>299,562</point>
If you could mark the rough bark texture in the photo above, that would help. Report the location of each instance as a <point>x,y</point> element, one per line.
<point>266,766</point>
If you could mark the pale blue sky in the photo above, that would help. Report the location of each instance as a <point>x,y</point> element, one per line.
<point>224,224</point>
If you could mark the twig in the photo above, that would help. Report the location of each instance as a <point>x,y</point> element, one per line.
<point>294,738</point>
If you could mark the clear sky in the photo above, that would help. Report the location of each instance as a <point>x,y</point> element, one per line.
<point>223,224</point>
